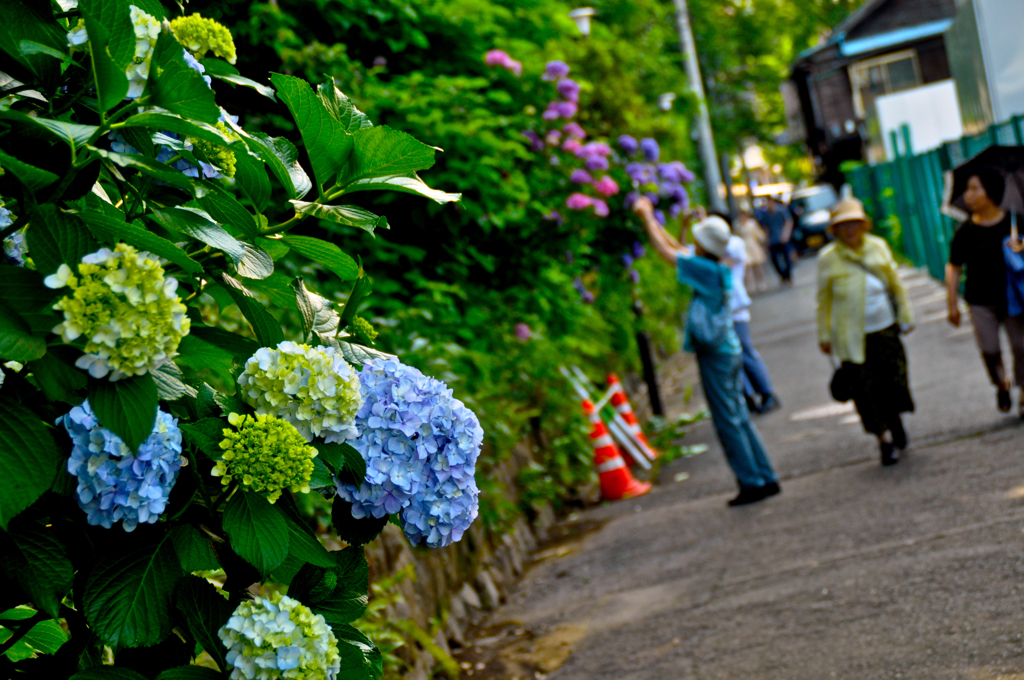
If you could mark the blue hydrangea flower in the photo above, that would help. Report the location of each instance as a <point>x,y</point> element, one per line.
<point>196,66</point>
<point>114,484</point>
<point>420,445</point>
<point>650,149</point>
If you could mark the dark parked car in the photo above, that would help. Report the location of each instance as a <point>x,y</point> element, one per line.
<point>810,208</point>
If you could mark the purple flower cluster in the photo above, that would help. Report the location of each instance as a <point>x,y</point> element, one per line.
<point>523,332</point>
<point>420,445</point>
<point>660,181</point>
<point>554,70</point>
<point>585,295</point>
<point>568,90</point>
<point>500,58</point>
<point>115,483</point>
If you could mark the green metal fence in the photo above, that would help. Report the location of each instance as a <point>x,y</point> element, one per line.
<point>904,196</point>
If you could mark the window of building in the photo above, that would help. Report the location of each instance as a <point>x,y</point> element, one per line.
<point>873,78</point>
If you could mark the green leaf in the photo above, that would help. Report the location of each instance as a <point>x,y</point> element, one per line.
<point>23,291</point>
<point>206,434</point>
<point>38,562</point>
<point>170,385</point>
<point>16,340</point>
<point>342,108</point>
<point>57,375</point>
<point>111,81</point>
<point>264,90</point>
<point>127,407</point>
<point>277,287</point>
<point>256,264</point>
<point>110,25</point>
<point>318,314</point>
<point>166,121</point>
<point>327,143</point>
<point>128,597</point>
<point>31,21</point>
<point>321,477</point>
<point>223,207</point>
<point>302,543</point>
<point>205,611</point>
<point>343,459</point>
<point>215,66</point>
<point>355,531</point>
<point>111,230</point>
<point>266,327</point>
<point>32,177</point>
<point>29,459</point>
<point>193,549</point>
<point>151,167</point>
<point>348,601</point>
<point>258,531</point>
<point>407,184</point>
<point>348,215</point>
<point>238,346</point>
<point>281,157</point>
<point>359,658</point>
<point>251,177</point>
<point>200,356</point>
<point>200,226</point>
<point>381,151</point>
<point>189,673</point>
<point>57,238</point>
<point>175,86</point>
<point>360,354</point>
<point>107,673</point>
<point>74,134</point>
<point>325,253</point>
<point>45,637</point>
<point>151,7</point>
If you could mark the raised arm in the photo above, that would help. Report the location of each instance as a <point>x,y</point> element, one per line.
<point>666,246</point>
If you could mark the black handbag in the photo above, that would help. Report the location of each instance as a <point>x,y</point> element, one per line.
<point>844,383</point>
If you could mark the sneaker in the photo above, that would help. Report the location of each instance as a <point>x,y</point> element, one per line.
<point>769,403</point>
<point>772,489</point>
<point>748,495</point>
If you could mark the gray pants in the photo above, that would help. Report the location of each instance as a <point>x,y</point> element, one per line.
<point>986,322</point>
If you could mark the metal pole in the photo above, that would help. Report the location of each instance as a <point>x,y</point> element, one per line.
<point>708,157</point>
<point>734,210</point>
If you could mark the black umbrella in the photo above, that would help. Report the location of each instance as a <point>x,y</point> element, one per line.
<point>1009,160</point>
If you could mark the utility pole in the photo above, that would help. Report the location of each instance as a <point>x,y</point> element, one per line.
<point>708,156</point>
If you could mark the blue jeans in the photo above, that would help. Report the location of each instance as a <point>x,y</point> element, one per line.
<point>779,253</point>
<point>721,376</point>
<point>755,373</point>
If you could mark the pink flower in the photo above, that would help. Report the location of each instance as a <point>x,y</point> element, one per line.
<point>570,145</point>
<point>606,186</point>
<point>595,149</point>
<point>574,130</point>
<point>578,202</point>
<point>600,207</point>
<point>500,58</point>
<point>580,176</point>
<point>553,137</point>
<point>523,332</point>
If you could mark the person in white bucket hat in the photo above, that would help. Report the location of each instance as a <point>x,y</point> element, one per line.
<point>710,335</point>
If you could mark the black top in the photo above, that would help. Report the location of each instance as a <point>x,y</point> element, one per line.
<point>980,251</point>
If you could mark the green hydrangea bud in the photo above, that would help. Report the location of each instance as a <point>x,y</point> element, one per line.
<point>362,328</point>
<point>125,310</point>
<point>199,36</point>
<point>266,454</point>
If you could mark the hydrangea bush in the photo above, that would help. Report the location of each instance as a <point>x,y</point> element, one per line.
<point>152,454</point>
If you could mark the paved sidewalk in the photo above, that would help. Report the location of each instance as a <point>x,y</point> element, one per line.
<point>855,571</point>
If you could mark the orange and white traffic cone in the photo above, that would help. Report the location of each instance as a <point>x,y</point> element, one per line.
<point>617,482</point>
<point>620,402</point>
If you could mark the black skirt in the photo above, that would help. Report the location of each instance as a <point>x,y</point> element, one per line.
<point>882,388</point>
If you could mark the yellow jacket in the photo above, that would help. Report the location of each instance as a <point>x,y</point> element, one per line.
<point>841,294</point>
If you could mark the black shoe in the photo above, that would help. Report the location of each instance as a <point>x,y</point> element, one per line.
<point>748,495</point>
<point>1003,400</point>
<point>889,455</point>
<point>899,435</point>
<point>769,403</point>
<point>771,489</point>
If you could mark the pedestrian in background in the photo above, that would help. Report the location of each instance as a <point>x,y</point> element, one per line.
<point>754,241</point>
<point>778,223</point>
<point>711,336</point>
<point>862,310</point>
<point>757,384</point>
<point>978,246</point>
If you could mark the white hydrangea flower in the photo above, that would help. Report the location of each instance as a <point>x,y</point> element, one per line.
<point>278,637</point>
<point>313,388</point>
<point>147,30</point>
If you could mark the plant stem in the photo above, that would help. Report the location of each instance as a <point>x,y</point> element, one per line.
<point>284,226</point>
<point>23,630</point>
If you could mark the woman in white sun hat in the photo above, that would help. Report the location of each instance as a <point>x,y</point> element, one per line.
<point>710,335</point>
<point>862,310</point>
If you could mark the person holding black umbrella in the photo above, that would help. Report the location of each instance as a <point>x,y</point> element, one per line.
<point>978,247</point>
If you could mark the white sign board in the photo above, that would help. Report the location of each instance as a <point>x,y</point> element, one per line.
<point>932,112</point>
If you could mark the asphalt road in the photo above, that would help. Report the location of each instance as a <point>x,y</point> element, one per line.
<point>854,571</point>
